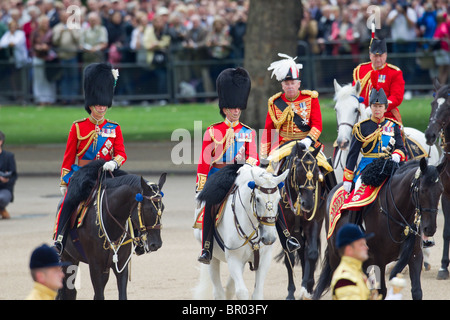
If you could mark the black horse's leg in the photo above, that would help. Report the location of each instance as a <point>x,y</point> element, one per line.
<point>312,254</point>
<point>289,261</point>
<point>443,273</point>
<point>68,291</point>
<point>99,278</point>
<point>122,281</point>
<point>415,269</point>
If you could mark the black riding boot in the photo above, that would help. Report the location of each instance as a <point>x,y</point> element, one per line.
<point>207,234</point>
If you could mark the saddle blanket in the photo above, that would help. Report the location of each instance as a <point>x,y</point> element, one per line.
<point>364,196</point>
<point>414,148</point>
<point>199,220</point>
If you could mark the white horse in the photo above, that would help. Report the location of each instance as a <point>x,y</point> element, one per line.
<point>349,110</point>
<point>246,232</point>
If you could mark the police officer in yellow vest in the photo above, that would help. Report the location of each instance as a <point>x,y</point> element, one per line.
<point>349,282</point>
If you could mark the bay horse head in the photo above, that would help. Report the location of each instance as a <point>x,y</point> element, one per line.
<point>440,112</point>
<point>265,196</point>
<point>304,180</point>
<point>146,216</point>
<point>349,110</point>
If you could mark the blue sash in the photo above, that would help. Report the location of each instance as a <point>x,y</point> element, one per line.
<point>107,130</point>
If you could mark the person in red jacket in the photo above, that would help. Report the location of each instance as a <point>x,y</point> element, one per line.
<point>89,139</point>
<point>381,75</point>
<point>224,143</point>
<point>292,114</point>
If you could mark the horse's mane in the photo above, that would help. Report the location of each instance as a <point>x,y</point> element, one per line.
<point>345,91</point>
<point>406,166</point>
<point>430,175</point>
<point>129,179</point>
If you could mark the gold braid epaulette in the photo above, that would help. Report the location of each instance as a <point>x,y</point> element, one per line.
<point>313,93</point>
<point>288,111</point>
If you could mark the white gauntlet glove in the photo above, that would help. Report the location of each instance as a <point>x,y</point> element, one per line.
<point>306,142</point>
<point>395,157</point>
<point>110,166</point>
<point>63,190</point>
<point>347,186</point>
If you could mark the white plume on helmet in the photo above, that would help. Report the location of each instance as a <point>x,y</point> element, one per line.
<point>281,67</point>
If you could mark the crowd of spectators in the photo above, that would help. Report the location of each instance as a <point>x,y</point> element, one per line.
<point>59,37</point>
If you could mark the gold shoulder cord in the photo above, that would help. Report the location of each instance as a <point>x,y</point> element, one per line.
<point>91,136</point>
<point>376,135</point>
<point>287,115</point>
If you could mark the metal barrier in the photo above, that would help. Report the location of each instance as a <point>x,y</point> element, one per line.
<point>189,75</point>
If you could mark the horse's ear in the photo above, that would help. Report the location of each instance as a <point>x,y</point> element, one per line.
<point>423,165</point>
<point>436,83</point>
<point>337,86</point>
<point>315,152</point>
<point>162,180</point>
<point>358,87</point>
<point>144,184</point>
<point>282,176</point>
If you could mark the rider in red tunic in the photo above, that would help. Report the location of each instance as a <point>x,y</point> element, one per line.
<point>381,75</point>
<point>225,143</point>
<point>90,139</point>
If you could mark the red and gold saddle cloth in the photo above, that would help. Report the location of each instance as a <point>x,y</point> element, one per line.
<point>354,201</point>
<point>199,221</point>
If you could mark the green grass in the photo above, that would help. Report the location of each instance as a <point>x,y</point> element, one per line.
<point>45,125</point>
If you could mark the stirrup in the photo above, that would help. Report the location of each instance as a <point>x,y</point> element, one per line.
<point>292,244</point>
<point>58,245</point>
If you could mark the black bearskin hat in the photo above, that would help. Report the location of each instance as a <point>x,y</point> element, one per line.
<point>233,88</point>
<point>99,84</point>
<point>378,97</point>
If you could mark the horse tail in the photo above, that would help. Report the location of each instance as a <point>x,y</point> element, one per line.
<point>405,255</point>
<point>204,287</point>
<point>325,278</point>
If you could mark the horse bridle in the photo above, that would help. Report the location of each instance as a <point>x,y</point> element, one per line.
<point>141,239</point>
<point>309,184</point>
<point>358,114</point>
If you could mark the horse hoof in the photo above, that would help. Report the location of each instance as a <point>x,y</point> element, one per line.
<point>442,274</point>
<point>426,266</point>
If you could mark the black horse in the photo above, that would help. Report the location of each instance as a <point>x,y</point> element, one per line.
<point>303,206</point>
<point>440,120</point>
<point>405,208</point>
<point>124,218</point>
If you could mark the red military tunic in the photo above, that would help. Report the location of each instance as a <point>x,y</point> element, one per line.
<point>390,78</point>
<point>293,120</point>
<point>106,138</point>
<point>224,143</point>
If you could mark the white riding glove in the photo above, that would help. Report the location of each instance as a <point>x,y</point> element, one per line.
<point>347,186</point>
<point>306,142</point>
<point>110,166</point>
<point>63,190</point>
<point>395,157</point>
